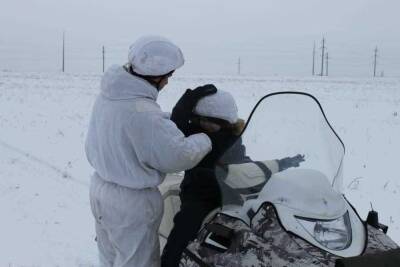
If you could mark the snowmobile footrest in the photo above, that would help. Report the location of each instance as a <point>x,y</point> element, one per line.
<point>390,258</point>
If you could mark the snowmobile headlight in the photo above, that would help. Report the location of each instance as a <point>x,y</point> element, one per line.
<point>332,234</point>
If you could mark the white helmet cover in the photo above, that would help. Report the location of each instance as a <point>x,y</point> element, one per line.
<point>154,56</point>
<point>220,105</point>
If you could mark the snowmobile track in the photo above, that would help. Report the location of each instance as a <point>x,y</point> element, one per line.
<point>64,174</point>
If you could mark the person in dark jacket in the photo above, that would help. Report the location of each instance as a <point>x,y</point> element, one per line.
<point>217,116</point>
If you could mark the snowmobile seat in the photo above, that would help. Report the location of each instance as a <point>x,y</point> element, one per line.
<point>170,192</point>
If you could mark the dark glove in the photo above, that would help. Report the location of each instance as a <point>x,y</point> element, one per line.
<point>288,162</point>
<point>182,111</point>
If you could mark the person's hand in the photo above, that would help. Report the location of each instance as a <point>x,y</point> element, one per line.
<point>182,111</point>
<point>288,162</point>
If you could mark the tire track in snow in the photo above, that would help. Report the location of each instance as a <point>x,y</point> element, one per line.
<point>64,174</point>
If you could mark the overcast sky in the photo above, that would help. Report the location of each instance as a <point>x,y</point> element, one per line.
<point>270,37</point>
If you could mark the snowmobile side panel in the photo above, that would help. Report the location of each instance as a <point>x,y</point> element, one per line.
<point>249,247</point>
<point>390,258</point>
<point>267,224</point>
<point>265,243</point>
<point>378,241</point>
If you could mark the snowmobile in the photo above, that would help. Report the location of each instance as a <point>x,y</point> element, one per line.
<point>296,217</point>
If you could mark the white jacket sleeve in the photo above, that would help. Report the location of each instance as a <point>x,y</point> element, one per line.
<point>160,145</point>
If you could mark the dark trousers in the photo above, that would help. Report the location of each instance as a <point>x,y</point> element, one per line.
<point>187,223</point>
<point>200,194</point>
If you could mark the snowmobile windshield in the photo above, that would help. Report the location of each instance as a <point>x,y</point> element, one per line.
<point>282,128</point>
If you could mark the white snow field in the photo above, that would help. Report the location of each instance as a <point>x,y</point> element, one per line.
<point>44,176</point>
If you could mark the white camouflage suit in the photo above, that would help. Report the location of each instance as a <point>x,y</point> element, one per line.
<point>132,144</point>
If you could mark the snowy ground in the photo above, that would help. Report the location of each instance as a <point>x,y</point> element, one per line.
<point>44,176</point>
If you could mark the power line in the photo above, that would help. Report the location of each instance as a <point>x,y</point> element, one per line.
<point>83,57</point>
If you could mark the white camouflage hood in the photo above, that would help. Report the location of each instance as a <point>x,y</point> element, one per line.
<point>118,84</point>
<point>220,105</point>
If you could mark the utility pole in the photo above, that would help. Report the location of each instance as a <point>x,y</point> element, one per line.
<point>322,57</point>
<point>63,52</point>
<point>376,55</point>
<point>239,66</point>
<point>313,60</point>
<point>327,63</point>
<point>104,58</point>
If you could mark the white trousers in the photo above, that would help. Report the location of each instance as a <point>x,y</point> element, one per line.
<point>127,222</point>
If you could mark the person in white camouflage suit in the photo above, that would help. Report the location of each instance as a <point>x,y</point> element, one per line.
<point>132,144</point>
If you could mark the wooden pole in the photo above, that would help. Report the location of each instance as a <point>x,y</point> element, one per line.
<point>376,55</point>
<point>322,57</point>
<point>104,59</point>
<point>239,66</point>
<point>327,63</point>
<point>313,61</point>
<point>63,52</point>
